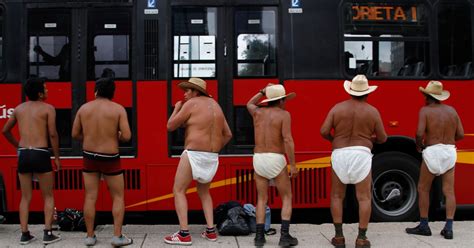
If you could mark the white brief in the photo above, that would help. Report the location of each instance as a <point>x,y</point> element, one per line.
<point>268,165</point>
<point>351,164</point>
<point>203,165</point>
<point>439,158</point>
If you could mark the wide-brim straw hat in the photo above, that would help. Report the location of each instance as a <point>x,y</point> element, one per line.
<point>195,83</point>
<point>277,92</point>
<point>435,89</point>
<point>359,86</point>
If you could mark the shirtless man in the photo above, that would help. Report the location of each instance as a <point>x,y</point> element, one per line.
<point>100,125</point>
<point>206,133</point>
<point>439,127</point>
<point>356,126</point>
<point>37,123</point>
<point>273,139</point>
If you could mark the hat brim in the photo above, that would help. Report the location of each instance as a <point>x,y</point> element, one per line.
<point>287,97</point>
<point>444,94</point>
<point>188,85</point>
<point>347,87</point>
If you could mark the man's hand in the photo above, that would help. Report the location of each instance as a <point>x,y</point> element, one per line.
<point>37,49</point>
<point>293,171</point>
<point>57,164</point>
<point>178,105</point>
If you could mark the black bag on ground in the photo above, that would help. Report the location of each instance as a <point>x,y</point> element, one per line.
<point>220,213</point>
<point>235,223</point>
<point>71,220</point>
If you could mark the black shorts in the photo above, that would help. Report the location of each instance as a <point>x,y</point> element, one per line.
<point>34,160</point>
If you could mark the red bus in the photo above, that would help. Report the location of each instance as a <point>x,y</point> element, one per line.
<point>238,47</point>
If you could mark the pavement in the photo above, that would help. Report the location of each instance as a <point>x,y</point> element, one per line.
<point>309,235</point>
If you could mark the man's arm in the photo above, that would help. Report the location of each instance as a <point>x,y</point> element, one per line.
<point>124,129</point>
<point>53,135</point>
<point>327,126</point>
<point>77,127</point>
<point>7,130</point>
<point>252,103</point>
<point>459,129</point>
<point>420,131</point>
<point>380,134</point>
<point>54,60</point>
<point>181,113</point>
<point>289,144</point>
<point>226,134</point>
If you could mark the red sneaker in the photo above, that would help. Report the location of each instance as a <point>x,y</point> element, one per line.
<point>209,236</point>
<point>176,239</point>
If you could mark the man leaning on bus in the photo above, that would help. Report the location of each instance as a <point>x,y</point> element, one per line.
<point>207,132</point>
<point>37,122</point>
<point>439,127</point>
<point>100,125</point>
<point>356,126</point>
<point>273,139</point>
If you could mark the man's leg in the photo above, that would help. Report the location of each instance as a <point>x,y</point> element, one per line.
<point>115,184</point>
<point>448,191</point>
<point>26,186</point>
<point>424,186</point>
<point>338,193</point>
<point>364,194</point>
<point>262,198</point>
<point>182,180</point>
<point>46,182</point>
<point>206,201</point>
<point>91,186</point>
<point>283,184</point>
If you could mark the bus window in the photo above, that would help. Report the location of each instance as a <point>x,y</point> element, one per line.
<point>256,44</point>
<point>455,40</point>
<point>194,42</point>
<point>386,40</point>
<point>244,132</point>
<point>49,48</point>
<point>110,44</point>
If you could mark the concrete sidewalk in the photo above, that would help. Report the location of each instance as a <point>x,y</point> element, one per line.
<point>380,234</point>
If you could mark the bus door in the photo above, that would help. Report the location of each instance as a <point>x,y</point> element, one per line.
<point>233,48</point>
<point>109,37</point>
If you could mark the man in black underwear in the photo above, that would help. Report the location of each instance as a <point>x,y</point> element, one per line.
<point>37,122</point>
<point>100,125</point>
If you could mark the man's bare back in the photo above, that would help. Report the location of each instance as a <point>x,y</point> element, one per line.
<point>440,124</point>
<point>355,122</point>
<point>268,123</point>
<point>205,124</point>
<point>100,124</point>
<point>33,117</point>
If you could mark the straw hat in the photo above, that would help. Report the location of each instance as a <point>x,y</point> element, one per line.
<point>195,83</point>
<point>435,89</point>
<point>359,86</point>
<point>276,92</point>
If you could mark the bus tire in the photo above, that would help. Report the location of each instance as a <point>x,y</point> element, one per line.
<point>392,171</point>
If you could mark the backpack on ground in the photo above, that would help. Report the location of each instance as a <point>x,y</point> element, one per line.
<point>71,220</point>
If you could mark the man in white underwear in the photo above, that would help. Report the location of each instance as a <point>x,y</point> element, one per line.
<point>439,127</point>
<point>207,132</point>
<point>273,139</point>
<point>356,126</point>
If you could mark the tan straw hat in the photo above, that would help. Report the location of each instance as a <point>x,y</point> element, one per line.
<point>435,89</point>
<point>195,83</point>
<point>359,86</point>
<point>276,92</point>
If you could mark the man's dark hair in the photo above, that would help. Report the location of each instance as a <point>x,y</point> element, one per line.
<point>33,87</point>
<point>274,103</point>
<point>432,99</point>
<point>360,97</point>
<point>105,87</point>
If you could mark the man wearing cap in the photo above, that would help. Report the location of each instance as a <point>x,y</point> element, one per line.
<point>207,132</point>
<point>273,139</point>
<point>439,127</point>
<point>356,125</point>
